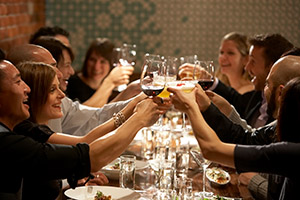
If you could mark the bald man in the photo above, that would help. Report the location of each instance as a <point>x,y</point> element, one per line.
<point>77,119</point>
<point>282,71</point>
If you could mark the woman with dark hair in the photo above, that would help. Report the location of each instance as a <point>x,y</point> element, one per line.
<point>54,31</point>
<point>63,55</point>
<point>95,83</point>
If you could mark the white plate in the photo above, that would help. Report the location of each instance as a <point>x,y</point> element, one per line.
<point>214,173</point>
<point>81,193</point>
<point>114,173</point>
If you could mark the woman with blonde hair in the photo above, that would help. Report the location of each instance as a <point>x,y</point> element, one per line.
<point>233,57</point>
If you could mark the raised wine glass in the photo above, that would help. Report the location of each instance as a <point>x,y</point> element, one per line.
<point>124,56</point>
<point>170,72</point>
<point>117,60</point>
<point>152,77</point>
<point>129,53</point>
<point>204,72</point>
<point>186,75</point>
<point>153,59</point>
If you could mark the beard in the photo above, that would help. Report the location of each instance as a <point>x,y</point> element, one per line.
<point>272,103</point>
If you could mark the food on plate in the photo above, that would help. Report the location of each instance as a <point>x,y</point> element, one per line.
<point>217,175</point>
<point>100,196</point>
<point>115,166</point>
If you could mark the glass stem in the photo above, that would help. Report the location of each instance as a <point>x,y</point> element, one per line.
<point>183,123</point>
<point>160,121</point>
<point>204,170</point>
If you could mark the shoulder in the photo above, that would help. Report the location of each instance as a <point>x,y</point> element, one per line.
<point>38,132</point>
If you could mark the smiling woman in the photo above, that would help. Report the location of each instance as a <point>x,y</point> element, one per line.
<point>45,97</point>
<point>27,153</point>
<point>233,57</point>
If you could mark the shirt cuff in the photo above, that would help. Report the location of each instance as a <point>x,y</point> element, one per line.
<point>258,187</point>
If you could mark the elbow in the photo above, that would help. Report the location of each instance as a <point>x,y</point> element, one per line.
<point>208,152</point>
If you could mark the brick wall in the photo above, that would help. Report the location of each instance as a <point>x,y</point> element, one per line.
<point>18,20</point>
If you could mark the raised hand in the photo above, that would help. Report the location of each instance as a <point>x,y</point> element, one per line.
<point>182,100</point>
<point>148,111</point>
<point>120,75</point>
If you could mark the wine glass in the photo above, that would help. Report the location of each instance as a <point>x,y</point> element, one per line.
<point>124,56</point>
<point>187,75</point>
<point>153,59</point>
<point>117,60</point>
<point>129,54</point>
<point>187,60</point>
<point>170,66</point>
<point>204,163</point>
<point>204,72</point>
<point>152,77</point>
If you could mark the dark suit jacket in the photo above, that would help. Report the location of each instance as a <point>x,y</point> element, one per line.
<point>247,104</point>
<point>229,132</point>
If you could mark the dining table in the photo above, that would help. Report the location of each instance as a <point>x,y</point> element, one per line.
<point>232,190</point>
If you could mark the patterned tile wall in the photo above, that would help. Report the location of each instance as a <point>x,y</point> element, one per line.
<point>171,27</point>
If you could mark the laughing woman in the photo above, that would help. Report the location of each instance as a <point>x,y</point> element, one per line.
<point>45,104</point>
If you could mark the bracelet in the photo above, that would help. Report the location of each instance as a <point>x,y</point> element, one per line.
<point>119,119</point>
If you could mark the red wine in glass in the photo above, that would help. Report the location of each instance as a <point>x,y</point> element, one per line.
<point>152,90</point>
<point>205,84</point>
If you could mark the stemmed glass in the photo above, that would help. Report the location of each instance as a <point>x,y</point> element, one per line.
<point>187,75</point>
<point>124,56</point>
<point>204,72</point>
<point>189,60</point>
<point>129,53</point>
<point>202,162</point>
<point>170,66</point>
<point>117,60</point>
<point>153,59</point>
<point>152,77</point>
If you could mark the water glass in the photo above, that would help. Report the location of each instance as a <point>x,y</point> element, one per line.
<point>182,161</point>
<point>147,143</point>
<point>127,171</point>
<point>183,188</point>
<point>166,175</point>
<point>145,178</point>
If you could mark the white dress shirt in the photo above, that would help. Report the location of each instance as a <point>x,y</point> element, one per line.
<point>79,119</point>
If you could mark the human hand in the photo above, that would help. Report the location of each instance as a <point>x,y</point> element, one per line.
<point>99,179</point>
<point>120,75</point>
<point>186,71</point>
<point>147,111</point>
<point>181,100</point>
<point>164,104</point>
<point>132,89</point>
<point>202,99</point>
<point>223,105</point>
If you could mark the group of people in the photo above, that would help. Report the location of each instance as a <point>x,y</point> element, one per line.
<point>46,136</point>
<point>35,113</point>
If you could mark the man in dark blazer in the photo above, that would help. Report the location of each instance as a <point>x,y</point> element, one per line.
<point>282,71</point>
<point>265,50</point>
